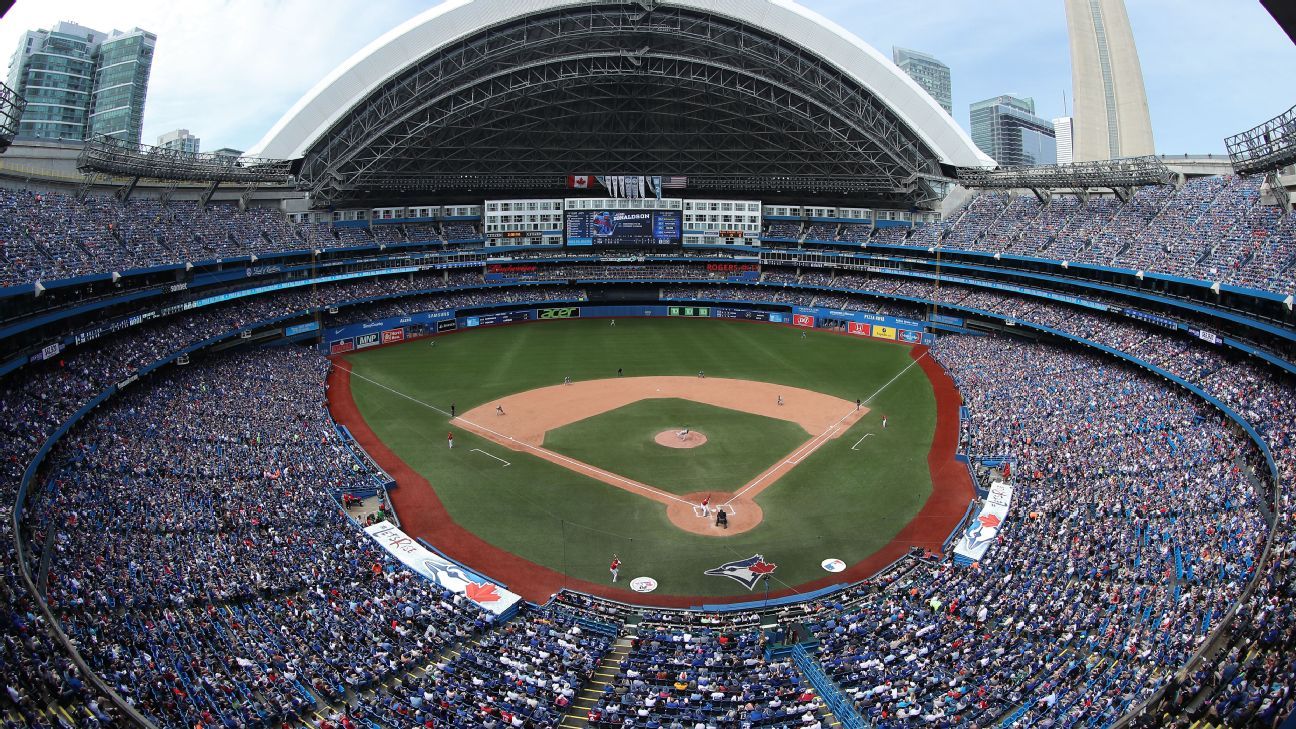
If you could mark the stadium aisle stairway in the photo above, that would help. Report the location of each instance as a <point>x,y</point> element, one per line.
<point>603,675</point>
<point>329,711</point>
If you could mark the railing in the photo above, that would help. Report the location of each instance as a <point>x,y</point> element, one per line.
<point>837,703</point>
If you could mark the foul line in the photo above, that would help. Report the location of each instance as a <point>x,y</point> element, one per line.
<point>398,392</point>
<point>861,440</point>
<point>537,449</point>
<point>869,399</point>
<point>813,444</point>
<point>501,460</point>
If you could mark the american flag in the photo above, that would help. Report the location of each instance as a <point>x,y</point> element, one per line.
<point>674,183</point>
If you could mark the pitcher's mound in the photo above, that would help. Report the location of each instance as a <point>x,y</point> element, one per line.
<point>672,439</point>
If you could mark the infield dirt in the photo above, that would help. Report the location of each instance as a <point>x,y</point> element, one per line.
<point>519,422</point>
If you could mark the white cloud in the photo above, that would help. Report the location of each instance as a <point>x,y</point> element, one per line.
<point>225,70</point>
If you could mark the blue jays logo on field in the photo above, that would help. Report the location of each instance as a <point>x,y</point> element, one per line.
<point>745,571</point>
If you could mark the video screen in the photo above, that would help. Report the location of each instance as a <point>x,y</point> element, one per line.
<point>624,228</point>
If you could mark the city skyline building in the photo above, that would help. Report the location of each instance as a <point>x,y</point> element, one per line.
<point>180,139</point>
<point>81,83</point>
<point>1062,127</point>
<point>1110,118</point>
<point>929,73</point>
<point>1006,128</point>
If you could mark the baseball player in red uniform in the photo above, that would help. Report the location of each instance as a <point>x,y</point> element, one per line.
<point>615,567</point>
<point>706,509</point>
<point>450,439</point>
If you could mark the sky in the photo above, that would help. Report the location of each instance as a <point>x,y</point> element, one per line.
<point>227,70</point>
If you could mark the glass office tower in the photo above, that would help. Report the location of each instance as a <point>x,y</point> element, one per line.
<point>1007,129</point>
<point>81,82</point>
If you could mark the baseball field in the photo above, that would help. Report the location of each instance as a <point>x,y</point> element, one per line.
<point>559,461</point>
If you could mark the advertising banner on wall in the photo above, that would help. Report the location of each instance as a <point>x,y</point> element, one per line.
<point>860,328</point>
<point>338,346</point>
<point>882,332</point>
<point>440,570</point>
<point>391,336</point>
<point>983,530</point>
<point>803,320</point>
<point>367,340</point>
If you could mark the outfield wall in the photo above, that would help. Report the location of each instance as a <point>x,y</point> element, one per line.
<point>392,330</point>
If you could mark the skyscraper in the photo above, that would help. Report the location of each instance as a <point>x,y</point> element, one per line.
<point>1065,141</point>
<point>1006,128</point>
<point>930,74</point>
<point>1111,117</point>
<point>80,82</point>
<point>179,139</point>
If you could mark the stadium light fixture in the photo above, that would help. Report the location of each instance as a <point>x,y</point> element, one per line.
<point>1269,146</point>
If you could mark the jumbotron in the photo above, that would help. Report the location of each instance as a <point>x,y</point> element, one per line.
<point>424,412</point>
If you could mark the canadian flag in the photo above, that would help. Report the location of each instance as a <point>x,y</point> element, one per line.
<point>580,182</point>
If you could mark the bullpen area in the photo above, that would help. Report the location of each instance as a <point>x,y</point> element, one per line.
<point>573,441</point>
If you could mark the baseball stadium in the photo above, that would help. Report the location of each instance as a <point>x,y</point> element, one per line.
<point>656,364</point>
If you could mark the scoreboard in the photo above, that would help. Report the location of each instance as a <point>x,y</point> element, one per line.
<point>722,312</point>
<point>628,228</point>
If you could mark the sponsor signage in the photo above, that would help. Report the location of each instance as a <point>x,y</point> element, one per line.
<point>983,530</point>
<point>863,329</point>
<point>643,584</point>
<point>882,332</point>
<point>511,268</point>
<point>910,336</point>
<point>447,325</point>
<point>833,565</point>
<point>127,381</point>
<point>1205,335</point>
<point>367,340</point>
<point>391,336</point>
<point>558,312</point>
<point>338,346</point>
<point>441,570</point>
<point>803,320</point>
<point>301,328</point>
<point>47,351</point>
<point>1144,316</point>
<point>954,321</point>
<point>732,267</point>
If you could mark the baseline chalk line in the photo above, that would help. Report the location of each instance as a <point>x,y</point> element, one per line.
<point>861,440</point>
<point>501,460</point>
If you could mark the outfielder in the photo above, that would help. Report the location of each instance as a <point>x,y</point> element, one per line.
<point>450,439</point>
<point>615,567</point>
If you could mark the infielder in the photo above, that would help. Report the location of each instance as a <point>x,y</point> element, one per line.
<point>450,439</point>
<point>499,409</point>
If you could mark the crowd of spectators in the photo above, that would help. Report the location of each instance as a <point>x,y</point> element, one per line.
<point>689,676</point>
<point>1212,228</point>
<point>41,397</point>
<point>51,235</point>
<point>1134,528</point>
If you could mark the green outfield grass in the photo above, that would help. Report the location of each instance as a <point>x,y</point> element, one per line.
<point>739,445</point>
<point>839,502</point>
